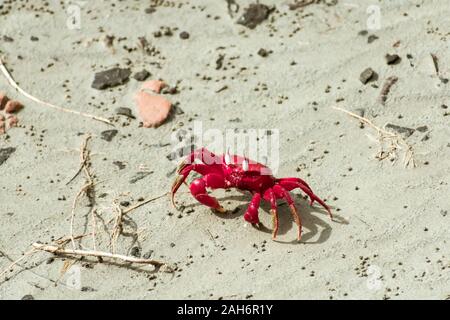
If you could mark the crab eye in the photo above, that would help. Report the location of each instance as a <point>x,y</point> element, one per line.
<point>245,165</point>
<point>227,158</point>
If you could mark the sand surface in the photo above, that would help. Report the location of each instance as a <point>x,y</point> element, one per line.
<point>390,238</point>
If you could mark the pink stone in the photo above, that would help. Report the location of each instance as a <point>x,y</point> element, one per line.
<point>13,106</point>
<point>13,121</point>
<point>153,85</point>
<point>152,109</point>
<point>3,100</point>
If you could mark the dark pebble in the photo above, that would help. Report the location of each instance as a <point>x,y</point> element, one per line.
<point>254,15</point>
<point>124,203</point>
<point>372,38</point>
<point>422,129</point>
<point>125,112</point>
<point>392,59</point>
<point>148,254</point>
<point>119,164</point>
<point>5,153</point>
<point>263,52</point>
<point>402,130</point>
<point>141,75</point>
<point>184,35</point>
<point>108,135</point>
<point>7,39</point>
<point>28,297</point>
<point>110,78</point>
<point>367,75</point>
<point>136,252</point>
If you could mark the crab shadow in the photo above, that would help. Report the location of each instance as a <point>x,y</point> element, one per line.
<point>316,228</point>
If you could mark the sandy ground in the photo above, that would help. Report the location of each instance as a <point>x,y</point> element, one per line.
<point>390,238</point>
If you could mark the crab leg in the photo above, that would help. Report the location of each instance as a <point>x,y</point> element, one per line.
<point>273,204</point>
<point>294,212</point>
<point>251,215</point>
<point>291,184</point>
<point>298,180</point>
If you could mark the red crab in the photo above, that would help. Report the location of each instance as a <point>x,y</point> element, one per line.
<point>227,171</point>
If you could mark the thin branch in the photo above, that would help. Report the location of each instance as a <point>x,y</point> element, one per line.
<point>117,228</point>
<point>394,140</point>
<point>47,104</point>
<point>84,157</point>
<point>14,263</point>
<point>92,253</point>
<point>139,204</point>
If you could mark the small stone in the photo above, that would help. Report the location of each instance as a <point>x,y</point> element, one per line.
<point>392,59</point>
<point>108,135</point>
<point>254,15</point>
<point>125,203</point>
<point>125,112</point>
<point>372,38</point>
<point>119,164</point>
<point>87,289</point>
<point>402,130</point>
<point>28,297</point>
<point>367,75</point>
<point>172,244</point>
<point>110,78</point>
<point>184,35</point>
<point>136,252</point>
<point>263,52</point>
<point>153,110</point>
<point>150,10</point>
<point>141,75</point>
<point>34,38</point>
<point>7,39</point>
<point>422,129</point>
<point>148,254</point>
<point>5,153</point>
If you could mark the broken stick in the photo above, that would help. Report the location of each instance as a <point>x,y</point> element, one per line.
<point>93,253</point>
<point>47,104</point>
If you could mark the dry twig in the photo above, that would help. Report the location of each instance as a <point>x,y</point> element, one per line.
<point>387,88</point>
<point>47,104</point>
<point>394,141</point>
<point>84,158</point>
<point>91,253</point>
